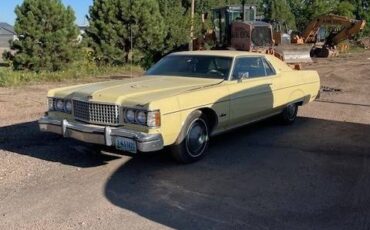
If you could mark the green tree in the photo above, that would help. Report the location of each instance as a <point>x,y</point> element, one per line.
<point>298,9</point>
<point>177,24</point>
<point>362,11</point>
<point>319,7</point>
<point>306,10</point>
<point>108,32</point>
<point>206,5</point>
<point>345,8</point>
<point>280,10</point>
<point>47,35</point>
<point>117,25</point>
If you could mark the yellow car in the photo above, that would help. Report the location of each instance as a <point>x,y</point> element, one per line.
<point>181,102</point>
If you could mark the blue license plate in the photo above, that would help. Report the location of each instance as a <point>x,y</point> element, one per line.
<point>126,144</point>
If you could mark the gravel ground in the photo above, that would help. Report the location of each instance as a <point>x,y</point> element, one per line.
<point>314,174</point>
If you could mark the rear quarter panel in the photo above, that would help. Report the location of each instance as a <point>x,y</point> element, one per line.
<point>293,85</point>
<point>297,86</point>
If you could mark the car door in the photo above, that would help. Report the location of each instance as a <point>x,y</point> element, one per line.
<point>251,90</point>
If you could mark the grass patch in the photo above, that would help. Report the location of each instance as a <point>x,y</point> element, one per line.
<point>9,78</point>
<point>356,49</point>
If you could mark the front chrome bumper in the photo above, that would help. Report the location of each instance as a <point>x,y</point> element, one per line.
<point>103,135</point>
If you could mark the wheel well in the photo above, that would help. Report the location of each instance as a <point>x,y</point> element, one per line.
<point>212,118</point>
<point>304,100</point>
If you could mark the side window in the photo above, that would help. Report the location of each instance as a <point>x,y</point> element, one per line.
<point>249,67</point>
<point>269,70</point>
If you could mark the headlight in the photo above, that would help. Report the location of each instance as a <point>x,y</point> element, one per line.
<point>68,106</point>
<point>130,115</point>
<point>59,105</point>
<point>141,117</point>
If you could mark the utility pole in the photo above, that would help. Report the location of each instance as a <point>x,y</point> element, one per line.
<point>243,11</point>
<point>131,54</point>
<point>192,25</point>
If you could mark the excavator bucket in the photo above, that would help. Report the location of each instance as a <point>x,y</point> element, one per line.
<point>294,54</point>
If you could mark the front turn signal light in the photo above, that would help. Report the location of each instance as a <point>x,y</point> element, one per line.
<point>154,119</point>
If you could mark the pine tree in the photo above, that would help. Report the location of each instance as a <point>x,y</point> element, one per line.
<point>108,32</point>
<point>177,25</point>
<point>47,36</point>
<point>114,24</point>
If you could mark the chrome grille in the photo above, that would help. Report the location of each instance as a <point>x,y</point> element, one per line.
<point>96,113</point>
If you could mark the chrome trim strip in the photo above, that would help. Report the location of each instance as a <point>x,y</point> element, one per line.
<point>244,124</point>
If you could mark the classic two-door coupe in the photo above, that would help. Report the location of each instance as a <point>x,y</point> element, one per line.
<point>180,102</point>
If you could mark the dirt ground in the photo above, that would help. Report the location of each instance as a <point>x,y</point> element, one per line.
<point>314,174</point>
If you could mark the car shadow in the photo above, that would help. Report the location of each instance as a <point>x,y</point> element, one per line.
<point>26,139</point>
<point>314,174</point>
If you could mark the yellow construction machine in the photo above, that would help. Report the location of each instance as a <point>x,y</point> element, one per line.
<point>235,27</point>
<point>343,28</point>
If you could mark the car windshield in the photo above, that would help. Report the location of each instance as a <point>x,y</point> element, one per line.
<point>200,66</point>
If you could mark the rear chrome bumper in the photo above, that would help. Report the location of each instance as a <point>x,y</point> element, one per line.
<point>103,135</point>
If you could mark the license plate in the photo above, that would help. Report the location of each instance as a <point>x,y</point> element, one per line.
<point>125,144</point>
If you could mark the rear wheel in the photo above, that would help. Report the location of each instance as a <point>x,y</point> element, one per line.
<point>192,143</point>
<point>289,114</point>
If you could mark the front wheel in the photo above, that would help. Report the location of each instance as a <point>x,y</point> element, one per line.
<point>192,143</point>
<point>289,114</point>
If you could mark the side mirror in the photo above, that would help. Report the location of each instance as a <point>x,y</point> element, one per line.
<point>243,76</point>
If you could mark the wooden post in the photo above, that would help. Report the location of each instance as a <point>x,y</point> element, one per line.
<point>192,25</point>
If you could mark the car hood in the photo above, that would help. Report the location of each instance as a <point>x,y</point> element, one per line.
<point>140,90</point>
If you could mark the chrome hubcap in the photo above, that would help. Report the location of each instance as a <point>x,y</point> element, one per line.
<point>197,138</point>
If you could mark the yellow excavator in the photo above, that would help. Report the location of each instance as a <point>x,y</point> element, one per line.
<point>345,28</point>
